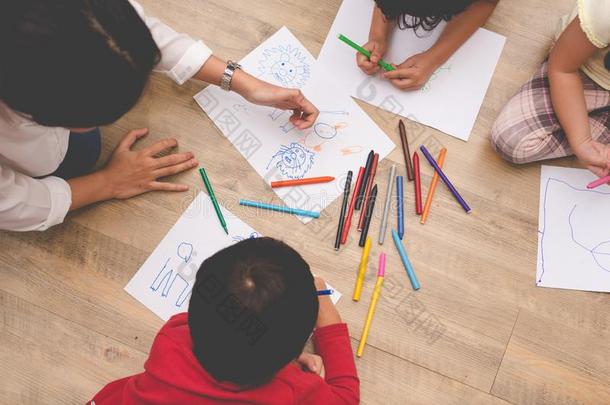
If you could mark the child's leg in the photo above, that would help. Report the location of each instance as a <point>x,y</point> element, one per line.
<point>527,129</point>
<point>83,151</point>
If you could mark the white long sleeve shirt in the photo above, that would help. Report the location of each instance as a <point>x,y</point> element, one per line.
<point>29,150</point>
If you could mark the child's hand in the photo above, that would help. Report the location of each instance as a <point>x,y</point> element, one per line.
<point>377,48</point>
<point>594,155</point>
<point>413,73</point>
<point>304,112</point>
<point>130,173</point>
<point>312,363</point>
<point>327,313</point>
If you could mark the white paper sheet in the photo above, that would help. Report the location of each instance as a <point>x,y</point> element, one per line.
<point>165,280</point>
<point>451,99</point>
<point>339,141</point>
<point>573,231</point>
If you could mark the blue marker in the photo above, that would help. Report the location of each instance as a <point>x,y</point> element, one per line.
<point>400,207</point>
<point>326,292</point>
<point>278,208</point>
<point>405,260</point>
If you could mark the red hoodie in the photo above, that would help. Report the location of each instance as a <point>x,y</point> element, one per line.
<point>172,375</point>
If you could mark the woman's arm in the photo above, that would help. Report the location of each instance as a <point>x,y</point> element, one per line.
<point>130,173</point>
<point>413,73</point>
<point>262,93</point>
<point>572,49</point>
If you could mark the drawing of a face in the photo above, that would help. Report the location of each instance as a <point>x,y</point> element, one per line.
<point>287,65</point>
<point>294,161</point>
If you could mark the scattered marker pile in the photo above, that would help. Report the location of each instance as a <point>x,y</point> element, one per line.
<point>363,198</point>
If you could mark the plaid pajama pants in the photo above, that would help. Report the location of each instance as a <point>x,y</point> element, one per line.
<point>527,129</point>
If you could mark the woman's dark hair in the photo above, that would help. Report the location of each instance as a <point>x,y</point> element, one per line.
<point>421,14</point>
<point>73,63</point>
<point>253,307</point>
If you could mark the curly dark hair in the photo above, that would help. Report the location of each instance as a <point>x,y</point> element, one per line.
<point>421,14</point>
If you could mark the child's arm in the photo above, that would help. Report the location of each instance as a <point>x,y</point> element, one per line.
<point>572,49</point>
<point>414,73</point>
<point>378,43</point>
<point>332,342</point>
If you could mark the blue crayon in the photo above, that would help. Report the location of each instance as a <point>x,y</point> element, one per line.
<point>400,207</point>
<point>278,208</point>
<point>326,292</point>
<point>405,260</point>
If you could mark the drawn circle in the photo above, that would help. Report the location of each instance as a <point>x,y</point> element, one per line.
<point>294,158</point>
<point>325,131</point>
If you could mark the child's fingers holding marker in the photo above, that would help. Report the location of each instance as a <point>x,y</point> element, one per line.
<point>370,65</point>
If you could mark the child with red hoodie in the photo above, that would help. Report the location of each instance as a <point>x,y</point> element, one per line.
<point>253,307</point>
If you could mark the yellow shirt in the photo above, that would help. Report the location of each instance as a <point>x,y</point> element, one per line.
<point>594,18</point>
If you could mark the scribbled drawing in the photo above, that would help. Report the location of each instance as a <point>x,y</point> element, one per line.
<point>321,134</point>
<point>185,251</point>
<point>276,113</point>
<point>286,64</point>
<point>294,160</point>
<point>600,252</point>
<point>253,235</point>
<point>428,86</point>
<point>351,150</point>
<point>287,127</point>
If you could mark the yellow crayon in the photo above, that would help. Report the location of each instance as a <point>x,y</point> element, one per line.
<point>374,299</point>
<point>364,262</point>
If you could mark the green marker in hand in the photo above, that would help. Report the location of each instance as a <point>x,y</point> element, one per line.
<point>385,65</point>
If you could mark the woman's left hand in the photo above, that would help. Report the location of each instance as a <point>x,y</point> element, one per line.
<point>304,112</point>
<point>413,73</point>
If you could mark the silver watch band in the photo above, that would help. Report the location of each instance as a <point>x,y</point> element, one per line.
<point>227,76</point>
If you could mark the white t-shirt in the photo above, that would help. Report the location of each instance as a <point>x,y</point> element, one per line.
<point>29,150</point>
<point>594,16</point>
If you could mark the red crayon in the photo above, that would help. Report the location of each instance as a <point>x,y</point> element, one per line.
<point>369,186</point>
<point>417,183</point>
<point>350,211</point>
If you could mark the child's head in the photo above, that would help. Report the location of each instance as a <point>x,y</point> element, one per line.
<point>73,63</point>
<point>253,307</point>
<point>424,14</point>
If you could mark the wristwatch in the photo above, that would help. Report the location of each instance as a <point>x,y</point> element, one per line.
<point>227,76</point>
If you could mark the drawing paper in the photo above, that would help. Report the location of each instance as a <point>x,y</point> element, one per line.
<point>573,231</point>
<point>165,280</point>
<point>451,99</point>
<point>339,141</point>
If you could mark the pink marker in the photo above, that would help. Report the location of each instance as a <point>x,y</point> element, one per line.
<point>598,182</point>
<point>381,271</point>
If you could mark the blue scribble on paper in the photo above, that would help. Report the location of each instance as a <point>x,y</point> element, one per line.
<point>169,278</point>
<point>286,64</point>
<point>253,235</point>
<point>293,161</point>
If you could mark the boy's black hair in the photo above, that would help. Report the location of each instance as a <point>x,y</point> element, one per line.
<point>421,14</point>
<point>73,63</point>
<point>253,307</point>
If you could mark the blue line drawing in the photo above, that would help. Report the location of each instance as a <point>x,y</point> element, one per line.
<point>287,127</point>
<point>286,64</point>
<point>253,235</point>
<point>185,251</point>
<point>294,160</point>
<point>595,251</point>
<point>276,113</point>
<point>168,276</point>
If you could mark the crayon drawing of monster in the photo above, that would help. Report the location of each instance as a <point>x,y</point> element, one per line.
<point>286,64</point>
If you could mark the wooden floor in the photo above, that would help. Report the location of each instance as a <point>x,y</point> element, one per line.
<point>478,331</point>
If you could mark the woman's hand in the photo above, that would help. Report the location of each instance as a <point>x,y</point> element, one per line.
<point>377,48</point>
<point>304,112</point>
<point>413,73</point>
<point>312,363</point>
<point>595,156</point>
<point>129,172</point>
